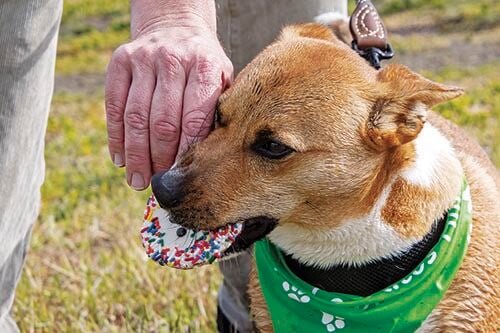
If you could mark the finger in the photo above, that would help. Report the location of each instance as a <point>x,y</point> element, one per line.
<point>118,78</point>
<point>166,112</point>
<point>137,156</point>
<point>203,88</point>
<point>227,76</point>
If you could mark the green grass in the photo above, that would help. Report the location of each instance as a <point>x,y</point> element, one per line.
<point>85,9</point>
<point>90,31</point>
<point>478,110</point>
<point>88,52</point>
<point>472,15</point>
<point>86,271</point>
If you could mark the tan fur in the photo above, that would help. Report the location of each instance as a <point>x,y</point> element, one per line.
<point>354,132</point>
<point>259,311</point>
<point>401,207</point>
<point>341,30</point>
<point>308,30</point>
<point>471,303</point>
<point>478,277</point>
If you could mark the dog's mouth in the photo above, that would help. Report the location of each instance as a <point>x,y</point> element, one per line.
<point>176,246</point>
<point>253,230</point>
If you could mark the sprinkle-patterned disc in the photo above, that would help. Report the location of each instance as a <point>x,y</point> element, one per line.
<point>170,244</point>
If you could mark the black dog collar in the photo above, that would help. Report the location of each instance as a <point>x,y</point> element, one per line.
<point>370,278</point>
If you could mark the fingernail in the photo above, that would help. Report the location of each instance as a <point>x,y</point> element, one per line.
<point>137,182</point>
<point>118,160</point>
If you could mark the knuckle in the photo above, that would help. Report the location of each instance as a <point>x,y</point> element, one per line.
<point>115,138</point>
<point>206,66</point>
<point>165,131</point>
<point>197,124</point>
<point>122,54</point>
<point>169,61</point>
<point>164,51</point>
<point>114,112</point>
<point>141,53</point>
<point>207,72</point>
<point>137,120</point>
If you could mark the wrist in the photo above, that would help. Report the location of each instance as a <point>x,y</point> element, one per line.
<point>150,15</point>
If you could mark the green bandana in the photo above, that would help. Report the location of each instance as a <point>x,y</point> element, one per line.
<point>296,306</point>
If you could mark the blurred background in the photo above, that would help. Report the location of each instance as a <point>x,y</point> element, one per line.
<point>87,272</point>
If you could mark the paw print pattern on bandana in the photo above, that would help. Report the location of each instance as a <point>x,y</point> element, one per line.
<point>294,293</point>
<point>332,322</point>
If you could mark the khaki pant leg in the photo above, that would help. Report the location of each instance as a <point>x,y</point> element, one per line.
<point>28,36</point>
<point>245,27</point>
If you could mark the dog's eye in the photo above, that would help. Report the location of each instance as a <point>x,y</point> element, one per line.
<point>272,149</point>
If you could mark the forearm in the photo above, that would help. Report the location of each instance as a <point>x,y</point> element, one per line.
<point>146,15</point>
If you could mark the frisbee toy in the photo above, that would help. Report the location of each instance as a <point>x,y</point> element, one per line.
<point>175,246</point>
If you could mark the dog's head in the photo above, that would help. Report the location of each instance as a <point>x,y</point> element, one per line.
<point>308,134</point>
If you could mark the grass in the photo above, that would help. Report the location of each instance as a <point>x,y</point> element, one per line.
<point>478,110</point>
<point>88,52</point>
<point>90,31</point>
<point>471,15</point>
<point>86,271</point>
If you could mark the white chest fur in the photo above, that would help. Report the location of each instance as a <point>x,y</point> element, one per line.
<point>355,242</point>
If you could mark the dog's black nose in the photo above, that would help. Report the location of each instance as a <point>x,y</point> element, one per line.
<point>168,188</point>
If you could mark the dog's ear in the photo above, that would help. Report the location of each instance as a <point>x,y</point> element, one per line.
<point>399,114</point>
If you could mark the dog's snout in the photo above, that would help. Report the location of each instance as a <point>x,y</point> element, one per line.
<point>168,188</point>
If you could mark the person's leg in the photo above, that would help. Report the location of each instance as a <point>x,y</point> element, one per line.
<point>28,36</point>
<point>245,28</point>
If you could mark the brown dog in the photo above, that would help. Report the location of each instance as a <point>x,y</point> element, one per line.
<point>348,162</point>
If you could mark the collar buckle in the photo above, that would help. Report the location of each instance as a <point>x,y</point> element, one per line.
<point>373,54</point>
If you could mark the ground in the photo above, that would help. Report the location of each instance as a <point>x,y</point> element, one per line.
<point>86,271</point>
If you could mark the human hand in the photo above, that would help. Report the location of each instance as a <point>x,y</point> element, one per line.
<point>161,91</point>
